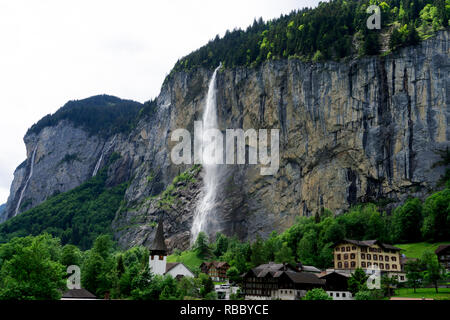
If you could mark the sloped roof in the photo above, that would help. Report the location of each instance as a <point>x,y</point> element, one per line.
<point>303,277</point>
<point>334,273</point>
<point>158,242</point>
<point>277,270</point>
<point>441,248</point>
<point>368,243</point>
<point>171,265</point>
<point>216,264</point>
<point>78,294</point>
<point>311,269</point>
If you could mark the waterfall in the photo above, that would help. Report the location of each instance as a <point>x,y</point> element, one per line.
<point>26,183</point>
<point>99,161</point>
<point>97,166</point>
<point>213,172</point>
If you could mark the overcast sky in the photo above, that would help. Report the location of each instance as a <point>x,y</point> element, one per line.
<point>55,51</point>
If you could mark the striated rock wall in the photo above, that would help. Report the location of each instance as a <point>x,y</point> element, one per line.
<point>362,130</point>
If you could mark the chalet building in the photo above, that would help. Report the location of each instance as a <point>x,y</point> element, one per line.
<point>158,258</point>
<point>276,281</point>
<point>336,285</point>
<point>352,254</point>
<point>443,253</point>
<point>216,270</point>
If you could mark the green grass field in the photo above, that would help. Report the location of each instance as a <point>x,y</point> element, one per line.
<point>415,250</point>
<point>188,258</point>
<point>444,293</point>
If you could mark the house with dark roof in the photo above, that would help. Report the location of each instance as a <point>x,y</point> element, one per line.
<point>369,255</point>
<point>78,294</point>
<point>336,285</point>
<point>217,270</point>
<point>443,253</point>
<point>158,258</point>
<point>278,281</point>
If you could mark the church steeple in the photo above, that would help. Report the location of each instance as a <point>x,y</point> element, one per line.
<point>159,246</point>
<point>158,251</point>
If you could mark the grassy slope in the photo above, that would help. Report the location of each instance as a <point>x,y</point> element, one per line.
<point>444,293</point>
<point>415,250</point>
<point>188,258</point>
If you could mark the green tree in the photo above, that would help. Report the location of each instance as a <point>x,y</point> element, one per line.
<point>436,209</point>
<point>71,255</point>
<point>414,273</point>
<point>233,274</point>
<point>358,281</point>
<point>201,245</point>
<point>30,273</point>
<point>221,245</point>
<point>258,255</point>
<point>388,284</point>
<point>433,269</point>
<point>98,272</point>
<point>317,294</point>
<point>407,222</point>
<point>285,255</point>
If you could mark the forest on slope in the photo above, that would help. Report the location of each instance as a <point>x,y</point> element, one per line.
<point>333,30</point>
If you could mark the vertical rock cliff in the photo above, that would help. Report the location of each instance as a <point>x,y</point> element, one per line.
<point>362,130</point>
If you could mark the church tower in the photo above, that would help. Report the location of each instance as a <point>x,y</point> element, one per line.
<point>158,252</point>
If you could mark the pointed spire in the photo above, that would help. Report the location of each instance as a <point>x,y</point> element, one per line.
<point>159,246</point>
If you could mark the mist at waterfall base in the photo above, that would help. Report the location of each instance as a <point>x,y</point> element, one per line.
<point>213,173</point>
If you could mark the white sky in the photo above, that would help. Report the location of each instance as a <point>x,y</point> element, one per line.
<point>52,51</point>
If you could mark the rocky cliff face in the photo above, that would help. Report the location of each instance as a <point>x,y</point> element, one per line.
<point>363,130</point>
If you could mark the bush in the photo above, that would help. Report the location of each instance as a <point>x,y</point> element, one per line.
<point>317,294</point>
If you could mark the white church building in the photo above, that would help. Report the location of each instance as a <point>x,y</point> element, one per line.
<point>158,258</point>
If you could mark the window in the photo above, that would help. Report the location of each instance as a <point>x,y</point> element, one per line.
<point>161,258</point>
<point>353,264</point>
<point>375,264</point>
<point>346,264</point>
<point>352,256</point>
<point>338,257</point>
<point>331,294</point>
<point>363,255</point>
<point>387,266</point>
<point>394,259</point>
<point>402,278</point>
<point>153,257</point>
<point>348,249</point>
<point>343,249</point>
<point>386,258</point>
<point>381,266</point>
<point>363,249</point>
<point>369,264</point>
<point>337,294</point>
<point>375,257</point>
<point>339,264</point>
<point>394,266</point>
<point>343,295</point>
<point>381,258</point>
<point>379,250</point>
<point>354,248</point>
<point>345,256</point>
<point>363,264</point>
<point>368,256</point>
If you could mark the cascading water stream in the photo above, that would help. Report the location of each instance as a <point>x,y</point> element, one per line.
<point>26,183</point>
<point>213,172</point>
<point>99,162</point>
